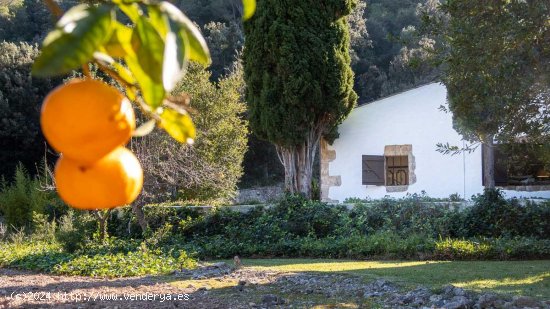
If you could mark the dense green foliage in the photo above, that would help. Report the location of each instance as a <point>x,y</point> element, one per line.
<point>379,59</point>
<point>211,168</point>
<point>408,228</point>
<point>392,228</point>
<point>494,216</point>
<point>223,132</point>
<point>76,230</point>
<point>299,83</point>
<point>24,21</point>
<point>411,227</point>
<point>296,61</point>
<point>496,248</point>
<point>20,199</point>
<point>69,244</point>
<point>28,202</point>
<point>391,57</point>
<point>115,259</point>
<point>384,54</point>
<point>497,70</point>
<point>20,99</point>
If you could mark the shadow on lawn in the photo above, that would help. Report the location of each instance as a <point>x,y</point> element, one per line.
<point>222,297</point>
<point>75,282</point>
<point>530,278</point>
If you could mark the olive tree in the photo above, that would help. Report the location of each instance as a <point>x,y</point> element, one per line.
<point>497,71</point>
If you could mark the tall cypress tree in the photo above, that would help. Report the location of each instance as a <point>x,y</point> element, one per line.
<point>299,80</point>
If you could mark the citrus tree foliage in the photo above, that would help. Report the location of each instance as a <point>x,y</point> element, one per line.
<point>20,98</point>
<point>147,57</point>
<point>211,168</point>
<point>299,80</point>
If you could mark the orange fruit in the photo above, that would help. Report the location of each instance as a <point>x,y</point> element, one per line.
<point>114,180</point>
<point>86,119</point>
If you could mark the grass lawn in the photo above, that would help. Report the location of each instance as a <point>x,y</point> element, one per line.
<point>530,278</point>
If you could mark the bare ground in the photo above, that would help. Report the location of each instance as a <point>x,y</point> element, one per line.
<point>23,289</point>
<point>20,289</point>
<point>221,286</point>
<point>210,287</point>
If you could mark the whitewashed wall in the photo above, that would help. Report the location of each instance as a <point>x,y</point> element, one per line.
<point>412,117</point>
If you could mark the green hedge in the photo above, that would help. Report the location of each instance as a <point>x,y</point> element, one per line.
<point>384,245</point>
<point>408,228</point>
<point>493,228</point>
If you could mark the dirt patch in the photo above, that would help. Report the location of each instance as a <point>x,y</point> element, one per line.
<point>218,286</point>
<point>222,286</point>
<point>30,290</point>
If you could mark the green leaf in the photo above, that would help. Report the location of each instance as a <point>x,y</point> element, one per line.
<point>146,62</point>
<point>131,10</point>
<point>178,125</point>
<point>78,34</point>
<point>120,43</point>
<point>145,128</point>
<point>198,50</point>
<point>149,48</point>
<point>103,57</point>
<point>127,76</point>
<point>175,57</point>
<point>124,73</point>
<point>152,92</point>
<point>158,19</point>
<point>175,47</point>
<point>249,7</point>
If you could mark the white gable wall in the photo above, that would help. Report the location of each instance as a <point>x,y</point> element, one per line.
<point>414,118</point>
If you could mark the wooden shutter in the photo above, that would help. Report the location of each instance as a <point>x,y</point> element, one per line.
<point>373,170</point>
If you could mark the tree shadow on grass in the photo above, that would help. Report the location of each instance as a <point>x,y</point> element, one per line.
<point>530,278</point>
<point>513,277</point>
<point>228,296</point>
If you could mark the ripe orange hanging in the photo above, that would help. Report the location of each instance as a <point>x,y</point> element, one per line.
<point>114,180</point>
<point>86,119</point>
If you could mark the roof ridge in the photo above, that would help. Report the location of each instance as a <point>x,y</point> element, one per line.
<point>397,93</point>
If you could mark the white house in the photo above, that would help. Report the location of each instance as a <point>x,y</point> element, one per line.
<point>388,147</point>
